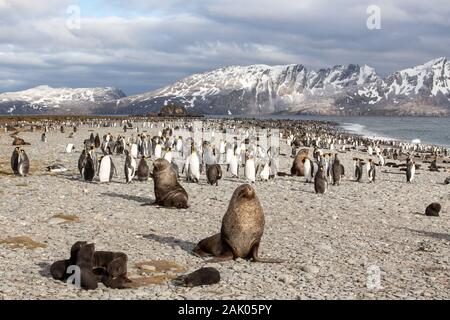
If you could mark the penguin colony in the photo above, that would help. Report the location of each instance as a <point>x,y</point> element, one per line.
<point>315,149</point>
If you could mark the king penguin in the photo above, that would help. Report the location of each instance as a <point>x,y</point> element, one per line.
<point>106,169</point>
<point>250,169</point>
<point>410,171</point>
<point>371,171</point>
<point>15,160</point>
<point>23,164</point>
<point>130,167</point>
<point>82,162</point>
<point>89,168</point>
<point>320,180</point>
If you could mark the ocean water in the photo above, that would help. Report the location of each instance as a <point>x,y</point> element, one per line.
<point>429,130</point>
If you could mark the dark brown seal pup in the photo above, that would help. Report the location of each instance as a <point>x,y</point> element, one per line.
<point>168,191</point>
<point>19,142</point>
<point>213,174</point>
<point>200,277</point>
<point>433,210</point>
<point>58,269</point>
<point>112,263</point>
<point>242,229</point>
<point>85,259</point>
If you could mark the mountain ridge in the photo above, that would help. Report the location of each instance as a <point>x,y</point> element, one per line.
<point>350,89</point>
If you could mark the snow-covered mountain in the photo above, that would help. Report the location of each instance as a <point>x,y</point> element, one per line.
<point>421,90</point>
<point>261,89</point>
<point>45,99</point>
<point>255,88</point>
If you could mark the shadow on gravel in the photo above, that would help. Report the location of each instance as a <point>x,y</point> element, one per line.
<point>45,269</point>
<point>128,197</point>
<point>171,241</point>
<point>436,235</point>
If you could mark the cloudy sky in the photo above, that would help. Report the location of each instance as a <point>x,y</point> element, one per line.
<point>141,45</point>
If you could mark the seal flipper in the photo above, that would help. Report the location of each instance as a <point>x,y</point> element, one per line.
<point>255,258</point>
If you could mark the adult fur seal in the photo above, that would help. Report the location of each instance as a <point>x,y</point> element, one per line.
<point>200,277</point>
<point>213,174</point>
<point>433,210</point>
<point>298,168</point>
<point>168,191</point>
<point>242,229</point>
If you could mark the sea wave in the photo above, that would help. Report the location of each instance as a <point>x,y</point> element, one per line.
<point>362,130</point>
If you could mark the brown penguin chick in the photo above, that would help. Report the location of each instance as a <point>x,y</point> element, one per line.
<point>200,277</point>
<point>168,191</point>
<point>213,174</point>
<point>433,210</point>
<point>241,232</point>
<point>58,269</point>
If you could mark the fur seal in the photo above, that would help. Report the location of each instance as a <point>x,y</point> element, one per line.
<point>447,180</point>
<point>433,210</point>
<point>85,259</point>
<point>213,173</point>
<point>168,191</point>
<point>200,277</point>
<point>19,142</point>
<point>298,168</point>
<point>58,269</point>
<point>241,232</point>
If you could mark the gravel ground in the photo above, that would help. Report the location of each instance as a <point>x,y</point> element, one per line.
<point>331,243</point>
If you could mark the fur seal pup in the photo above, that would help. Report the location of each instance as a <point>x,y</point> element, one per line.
<point>19,142</point>
<point>85,258</point>
<point>433,210</point>
<point>200,277</point>
<point>89,168</point>
<point>213,174</point>
<point>58,269</point>
<point>337,170</point>
<point>447,180</point>
<point>23,163</point>
<point>241,232</point>
<point>168,191</point>
<point>320,181</point>
<point>15,160</point>
<point>143,170</point>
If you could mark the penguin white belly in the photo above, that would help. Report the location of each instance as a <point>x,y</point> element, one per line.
<point>413,171</point>
<point>69,147</point>
<point>265,172</point>
<point>308,170</point>
<point>229,156</point>
<point>234,166</point>
<point>250,170</point>
<point>105,169</point>
<point>158,151</point>
<point>168,156</point>
<point>134,150</point>
<point>194,166</point>
<point>179,146</point>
